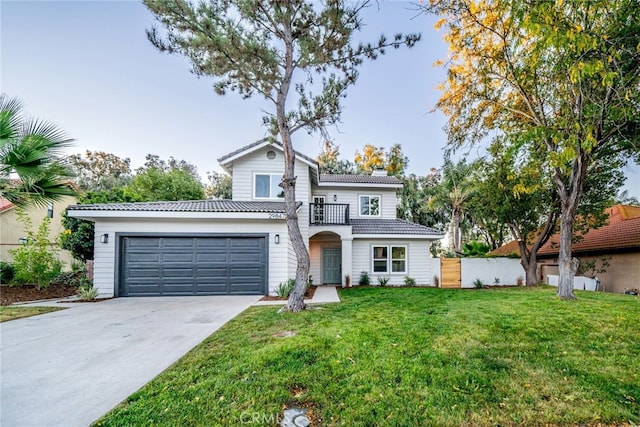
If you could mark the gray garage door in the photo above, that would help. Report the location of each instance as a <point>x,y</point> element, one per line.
<point>185,265</point>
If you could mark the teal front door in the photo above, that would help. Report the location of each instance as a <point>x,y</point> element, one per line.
<point>332,266</point>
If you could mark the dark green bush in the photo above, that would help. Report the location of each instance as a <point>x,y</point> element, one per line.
<point>365,280</point>
<point>6,272</point>
<point>69,278</point>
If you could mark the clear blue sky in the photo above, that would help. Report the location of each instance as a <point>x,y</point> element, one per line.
<point>88,67</point>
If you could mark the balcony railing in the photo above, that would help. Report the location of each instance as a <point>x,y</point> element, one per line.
<point>328,214</point>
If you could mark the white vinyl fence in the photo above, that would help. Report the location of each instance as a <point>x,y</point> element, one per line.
<point>579,282</point>
<point>490,271</point>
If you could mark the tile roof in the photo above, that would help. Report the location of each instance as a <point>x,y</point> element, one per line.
<point>260,142</point>
<point>188,206</point>
<point>359,179</point>
<point>5,204</point>
<point>621,232</point>
<point>508,249</point>
<point>391,226</point>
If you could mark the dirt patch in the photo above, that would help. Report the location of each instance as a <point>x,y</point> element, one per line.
<point>307,295</point>
<point>24,293</point>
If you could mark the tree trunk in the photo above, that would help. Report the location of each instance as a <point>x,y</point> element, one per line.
<point>455,226</point>
<point>296,297</point>
<point>566,264</point>
<point>531,278</point>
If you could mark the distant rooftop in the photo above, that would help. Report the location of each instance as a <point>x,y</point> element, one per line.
<point>622,232</point>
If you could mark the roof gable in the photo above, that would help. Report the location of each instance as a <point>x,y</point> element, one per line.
<point>226,160</point>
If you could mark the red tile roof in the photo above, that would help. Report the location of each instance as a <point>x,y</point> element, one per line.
<point>5,204</point>
<point>621,232</point>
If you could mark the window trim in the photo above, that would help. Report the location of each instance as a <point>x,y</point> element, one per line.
<point>255,186</point>
<point>360,196</point>
<point>390,259</point>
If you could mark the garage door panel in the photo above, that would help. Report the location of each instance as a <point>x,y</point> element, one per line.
<point>245,243</point>
<point>178,242</point>
<point>193,265</point>
<point>211,272</point>
<point>178,257</point>
<point>247,257</point>
<point>144,272</point>
<point>145,243</point>
<point>212,243</point>
<point>211,257</point>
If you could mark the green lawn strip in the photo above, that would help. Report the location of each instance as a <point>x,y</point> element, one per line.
<point>12,313</point>
<point>411,355</point>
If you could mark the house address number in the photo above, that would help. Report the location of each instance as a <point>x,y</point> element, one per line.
<point>277,216</point>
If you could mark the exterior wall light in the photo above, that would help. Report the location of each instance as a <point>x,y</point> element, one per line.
<point>335,197</point>
<point>276,239</point>
<point>104,238</point>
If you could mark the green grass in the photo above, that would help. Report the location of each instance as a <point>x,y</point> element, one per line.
<point>411,356</point>
<point>12,313</point>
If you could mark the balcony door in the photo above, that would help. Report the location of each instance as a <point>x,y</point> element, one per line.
<point>318,209</point>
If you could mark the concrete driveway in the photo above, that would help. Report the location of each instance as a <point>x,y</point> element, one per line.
<point>70,367</point>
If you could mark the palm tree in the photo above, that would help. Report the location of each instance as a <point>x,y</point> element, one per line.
<point>32,170</point>
<point>452,195</point>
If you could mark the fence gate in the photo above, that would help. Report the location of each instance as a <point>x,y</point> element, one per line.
<point>450,273</point>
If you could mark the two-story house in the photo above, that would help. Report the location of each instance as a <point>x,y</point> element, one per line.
<point>241,246</point>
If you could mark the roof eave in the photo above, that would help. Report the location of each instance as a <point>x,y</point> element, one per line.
<point>399,236</point>
<point>358,184</point>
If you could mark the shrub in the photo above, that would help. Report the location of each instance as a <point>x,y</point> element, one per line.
<point>409,281</point>
<point>78,266</point>
<point>6,272</point>
<point>365,280</point>
<point>35,261</point>
<point>382,281</point>
<point>478,284</point>
<point>519,281</point>
<point>496,281</point>
<point>68,278</point>
<point>86,291</point>
<point>284,288</point>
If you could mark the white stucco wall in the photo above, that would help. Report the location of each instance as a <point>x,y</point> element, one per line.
<point>105,263</point>
<point>507,270</point>
<point>418,264</point>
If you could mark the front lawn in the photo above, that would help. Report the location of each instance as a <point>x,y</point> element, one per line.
<point>411,356</point>
<point>12,313</point>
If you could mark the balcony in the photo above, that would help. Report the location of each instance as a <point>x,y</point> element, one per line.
<point>328,214</point>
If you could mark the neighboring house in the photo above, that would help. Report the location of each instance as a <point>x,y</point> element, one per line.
<point>241,246</point>
<point>617,243</point>
<point>12,231</point>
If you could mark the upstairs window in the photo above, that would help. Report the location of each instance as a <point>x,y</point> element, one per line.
<point>267,186</point>
<point>369,205</point>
